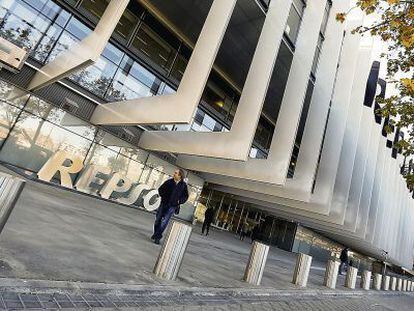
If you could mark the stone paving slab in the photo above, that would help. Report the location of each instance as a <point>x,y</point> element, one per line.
<point>18,294</point>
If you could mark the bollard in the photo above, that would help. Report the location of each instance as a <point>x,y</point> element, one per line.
<point>404,286</point>
<point>377,281</point>
<point>331,274</point>
<point>172,252</point>
<point>302,268</point>
<point>350,279</point>
<point>386,282</point>
<point>393,283</point>
<point>10,189</point>
<point>399,285</point>
<point>257,261</point>
<point>366,279</point>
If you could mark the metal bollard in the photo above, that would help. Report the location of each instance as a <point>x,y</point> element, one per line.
<point>257,261</point>
<point>393,283</point>
<point>377,281</point>
<point>172,252</point>
<point>386,283</point>
<point>366,279</point>
<point>331,274</point>
<point>302,268</point>
<point>351,275</point>
<point>10,189</point>
<point>399,285</point>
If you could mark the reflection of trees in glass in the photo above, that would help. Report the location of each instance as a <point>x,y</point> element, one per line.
<point>19,36</point>
<point>8,117</point>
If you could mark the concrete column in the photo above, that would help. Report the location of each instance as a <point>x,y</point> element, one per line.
<point>386,282</point>
<point>257,261</point>
<point>302,268</point>
<point>366,279</point>
<point>172,252</point>
<point>10,190</point>
<point>393,283</point>
<point>351,276</point>
<point>377,281</point>
<point>399,284</point>
<point>331,274</point>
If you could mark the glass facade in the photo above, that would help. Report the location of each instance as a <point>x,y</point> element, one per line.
<point>142,59</point>
<point>32,130</point>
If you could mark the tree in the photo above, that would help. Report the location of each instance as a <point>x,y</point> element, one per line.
<point>395,26</point>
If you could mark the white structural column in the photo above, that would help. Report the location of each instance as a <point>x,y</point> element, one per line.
<point>83,53</point>
<point>331,151</point>
<point>236,143</point>
<point>179,107</point>
<point>274,168</point>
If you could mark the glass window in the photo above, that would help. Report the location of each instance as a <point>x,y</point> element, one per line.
<point>293,24</point>
<point>97,77</point>
<point>326,17</point>
<point>12,95</point>
<point>152,46</point>
<point>301,127</point>
<point>51,10</point>
<point>216,98</point>
<point>33,141</point>
<point>22,24</point>
<point>126,24</point>
<point>8,115</point>
<point>264,133</point>
<point>95,7</point>
<point>179,67</point>
<point>126,86</point>
<point>165,89</point>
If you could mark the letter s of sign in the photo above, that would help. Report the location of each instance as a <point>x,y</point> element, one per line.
<point>56,164</point>
<point>134,195</point>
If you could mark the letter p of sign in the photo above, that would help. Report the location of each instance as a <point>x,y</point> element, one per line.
<point>59,163</point>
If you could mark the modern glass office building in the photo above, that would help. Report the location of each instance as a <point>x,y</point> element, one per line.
<point>266,103</point>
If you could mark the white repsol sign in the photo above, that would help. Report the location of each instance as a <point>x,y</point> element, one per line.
<point>99,180</point>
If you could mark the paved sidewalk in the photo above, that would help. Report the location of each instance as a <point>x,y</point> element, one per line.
<point>53,295</point>
<point>55,235</point>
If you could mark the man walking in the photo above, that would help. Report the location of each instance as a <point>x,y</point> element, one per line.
<point>344,259</point>
<point>208,219</point>
<point>173,193</point>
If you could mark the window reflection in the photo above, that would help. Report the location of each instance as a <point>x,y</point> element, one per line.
<point>8,115</point>
<point>34,140</point>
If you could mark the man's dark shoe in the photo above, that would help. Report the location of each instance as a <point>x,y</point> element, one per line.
<point>156,241</point>
<point>152,237</point>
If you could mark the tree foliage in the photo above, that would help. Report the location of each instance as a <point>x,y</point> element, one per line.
<point>395,26</point>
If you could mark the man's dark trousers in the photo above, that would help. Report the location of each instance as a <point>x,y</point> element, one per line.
<point>163,216</point>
